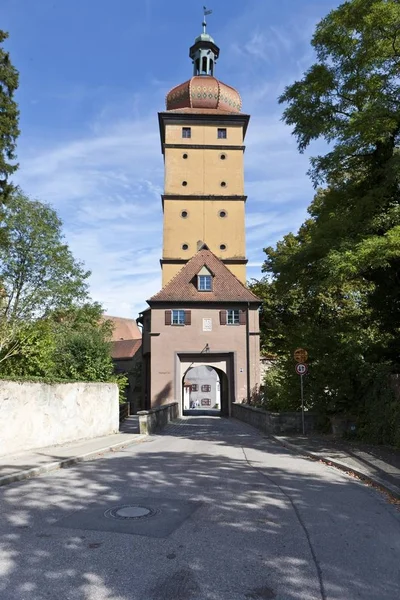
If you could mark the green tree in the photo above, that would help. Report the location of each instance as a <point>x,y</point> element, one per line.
<point>37,270</point>
<point>9,117</point>
<point>83,343</point>
<point>333,288</point>
<point>32,351</point>
<point>83,354</point>
<point>38,273</point>
<point>351,98</point>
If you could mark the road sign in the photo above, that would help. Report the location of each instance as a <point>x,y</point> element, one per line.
<point>300,355</point>
<point>301,369</point>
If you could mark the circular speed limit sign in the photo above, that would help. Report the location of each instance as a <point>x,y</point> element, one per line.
<point>301,369</point>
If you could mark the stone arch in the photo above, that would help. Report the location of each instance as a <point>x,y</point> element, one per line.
<point>222,368</point>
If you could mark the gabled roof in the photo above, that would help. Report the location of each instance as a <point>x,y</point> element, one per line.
<point>183,287</point>
<point>125,349</point>
<point>124,329</point>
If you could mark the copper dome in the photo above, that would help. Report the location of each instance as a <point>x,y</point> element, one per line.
<point>204,92</point>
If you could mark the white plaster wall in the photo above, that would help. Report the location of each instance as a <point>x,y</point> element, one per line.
<point>35,415</point>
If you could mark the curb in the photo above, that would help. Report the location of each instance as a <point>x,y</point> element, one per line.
<point>64,463</point>
<point>331,462</point>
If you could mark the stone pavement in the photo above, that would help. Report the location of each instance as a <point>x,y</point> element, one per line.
<point>23,465</point>
<point>379,465</point>
<point>228,515</point>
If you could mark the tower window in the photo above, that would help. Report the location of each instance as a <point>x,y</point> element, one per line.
<point>223,156</point>
<point>185,155</point>
<point>222,214</point>
<point>232,317</point>
<point>186,132</point>
<point>178,317</point>
<point>222,247</point>
<point>221,133</point>
<point>184,183</point>
<point>206,387</point>
<point>223,183</point>
<point>204,283</point>
<point>184,214</point>
<point>185,246</point>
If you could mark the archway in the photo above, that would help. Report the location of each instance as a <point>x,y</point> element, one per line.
<point>205,391</point>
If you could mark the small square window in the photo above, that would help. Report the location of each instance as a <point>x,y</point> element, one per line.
<point>232,317</point>
<point>204,283</point>
<point>194,387</point>
<point>187,132</point>
<point>221,134</point>
<point>206,388</point>
<point>178,317</point>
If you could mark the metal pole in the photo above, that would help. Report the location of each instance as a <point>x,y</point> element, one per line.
<point>302,404</point>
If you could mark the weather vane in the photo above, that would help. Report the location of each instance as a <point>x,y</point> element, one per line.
<point>206,12</point>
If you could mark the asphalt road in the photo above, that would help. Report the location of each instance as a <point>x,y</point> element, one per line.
<point>233,516</point>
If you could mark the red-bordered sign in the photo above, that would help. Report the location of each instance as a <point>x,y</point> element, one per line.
<point>301,369</point>
<point>300,355</point>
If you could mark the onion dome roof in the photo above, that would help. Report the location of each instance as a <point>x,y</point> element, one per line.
<point>204,37</point>
<point>204,91</point>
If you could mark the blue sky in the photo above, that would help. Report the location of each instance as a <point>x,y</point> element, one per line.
<point>94,74</point>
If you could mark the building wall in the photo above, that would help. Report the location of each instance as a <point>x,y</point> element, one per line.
<point>204,134</point>
<point>201,376</point>
<point>35,415</point>
<point>168,341</point>
<point>203,222</point>
<point>204,170</point>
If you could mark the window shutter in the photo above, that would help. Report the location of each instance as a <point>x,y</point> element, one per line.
<point>188,317</point>
<point>168,317</point>
<point>242,317</point>
<point>222,317</point>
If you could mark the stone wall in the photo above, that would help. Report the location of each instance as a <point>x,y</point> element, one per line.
<point>35,415</point>
<point>276,423</point>
<point>155,419</point>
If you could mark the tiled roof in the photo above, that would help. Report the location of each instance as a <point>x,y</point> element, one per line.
<point>202,111</point>
<point>183,287</point>
<point>124,329</point>
<point>204,92</point>
<point>125,348</point>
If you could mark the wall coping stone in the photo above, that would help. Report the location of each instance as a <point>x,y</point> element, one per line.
<point>157,418</point>
<point>273,422</point>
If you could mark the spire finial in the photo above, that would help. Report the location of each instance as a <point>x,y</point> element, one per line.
<point>206,12</point>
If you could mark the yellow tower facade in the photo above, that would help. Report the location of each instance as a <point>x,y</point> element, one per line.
<point>202,138</point>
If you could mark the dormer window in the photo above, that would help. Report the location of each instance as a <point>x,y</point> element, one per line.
<point>204,283</point>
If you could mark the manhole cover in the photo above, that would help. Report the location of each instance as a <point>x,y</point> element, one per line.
<point>127,511</point>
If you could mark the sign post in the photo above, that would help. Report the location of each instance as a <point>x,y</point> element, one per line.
<point>301,369</point>
<point>302,405</point>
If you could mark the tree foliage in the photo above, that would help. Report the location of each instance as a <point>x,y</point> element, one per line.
<point>334,287</point>
<point>83,342</point>
<point>69,344</point>
<point>9,117</point>
<point>48,326</point>
<point>37,269</point>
